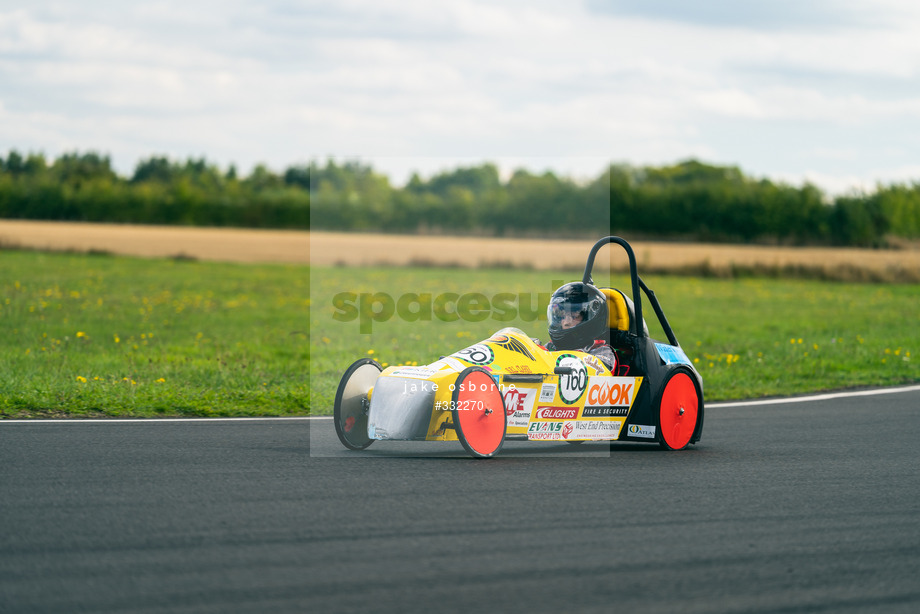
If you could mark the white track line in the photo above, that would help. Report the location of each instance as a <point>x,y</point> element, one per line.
<point>816,397</point>
<point>803,399</point>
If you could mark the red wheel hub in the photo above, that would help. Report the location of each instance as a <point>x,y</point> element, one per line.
<point>678,412</point>
<point>478,413</point>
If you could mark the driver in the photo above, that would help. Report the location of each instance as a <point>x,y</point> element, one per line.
<point>577,315</point>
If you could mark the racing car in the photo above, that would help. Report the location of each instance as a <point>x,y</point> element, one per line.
<point>509,386</point>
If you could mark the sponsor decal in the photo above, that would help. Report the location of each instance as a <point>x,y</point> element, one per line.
<point>599,367</point>
<point>415,372</point>
<point>448,363</point>
<point>641,430</point>
<point>572,385</point>
<point>518,405</point>
<point>547,393</point>
<point>575,429</point>
<point>479,354</point>
<point>510,343</point>
<point>544,436</point>
<point>595,429</point>
<point>545,430</point>
<point>612,391</point>
<point>671,354</point>
<point>556,413</point>
<point>604,412</point>
<point>545,427</point>
<point>518,369</point>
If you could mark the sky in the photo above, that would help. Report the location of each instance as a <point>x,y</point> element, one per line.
<point>791,90</point>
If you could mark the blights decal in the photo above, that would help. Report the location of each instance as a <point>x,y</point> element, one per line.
<point>556,413</point>
<point>671,354</point>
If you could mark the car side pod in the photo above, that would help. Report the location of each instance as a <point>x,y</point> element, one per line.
<point>478,412</point>
<point>352,400</point>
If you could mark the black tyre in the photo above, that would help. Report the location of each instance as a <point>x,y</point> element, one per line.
<point>352,401</point>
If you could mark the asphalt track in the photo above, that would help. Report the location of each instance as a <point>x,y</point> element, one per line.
<point>794,507</point>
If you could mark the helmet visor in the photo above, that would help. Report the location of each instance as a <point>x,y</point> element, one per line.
<point>566,312</point>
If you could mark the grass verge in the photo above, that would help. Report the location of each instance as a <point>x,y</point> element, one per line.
<point>749,337</point>
<point>94,336</point>
<point>98,336</point>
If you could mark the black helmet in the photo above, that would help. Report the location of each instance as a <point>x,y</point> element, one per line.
<point>577,315</point>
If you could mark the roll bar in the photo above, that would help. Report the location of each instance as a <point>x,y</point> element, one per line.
<point>637,283</point>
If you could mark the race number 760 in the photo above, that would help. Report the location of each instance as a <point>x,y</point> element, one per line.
<point>572,384</point>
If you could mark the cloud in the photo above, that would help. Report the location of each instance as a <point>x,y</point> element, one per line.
<point>767,86</point>
<point>755,15</point>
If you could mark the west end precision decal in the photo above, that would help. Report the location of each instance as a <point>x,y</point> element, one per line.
<point>572,385</point>
<point>592,429</point>
<point>479,354</point>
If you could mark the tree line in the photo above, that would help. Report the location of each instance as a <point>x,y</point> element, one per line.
<point>690,200</point>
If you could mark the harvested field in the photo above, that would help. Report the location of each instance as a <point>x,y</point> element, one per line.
<point>218,244</point>
<point>348,249</point>
<point>710,260</point>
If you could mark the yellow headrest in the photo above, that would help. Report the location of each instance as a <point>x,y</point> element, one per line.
<point>618,313</point>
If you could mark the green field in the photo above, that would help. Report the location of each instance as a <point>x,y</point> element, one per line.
<point>99,335</point>
<point>748,337</point>
<point>106,336</point>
